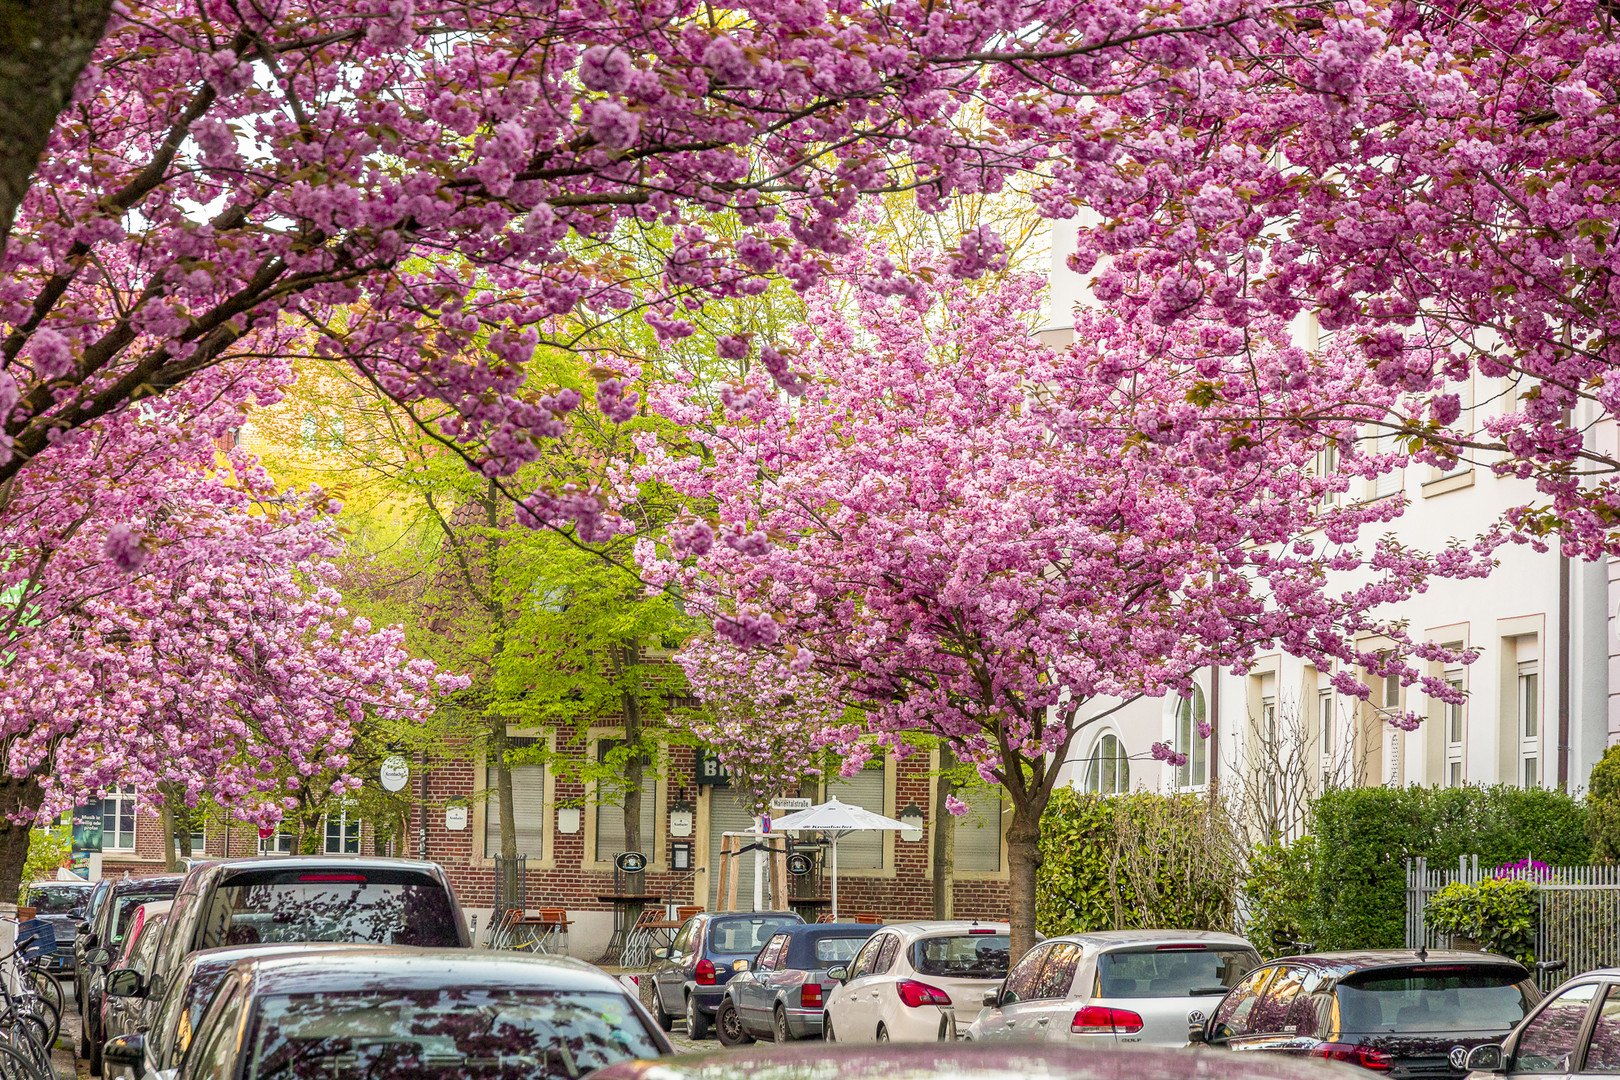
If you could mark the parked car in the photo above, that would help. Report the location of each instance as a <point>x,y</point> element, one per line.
<point>1416,1014</point>
<point>176,1016</point>
<point>783,993</point>
<point>959,1061</point>
<point>307,898</point>
<point>109,928</point>
<point>121,1010</point>
<point>420,1013</point>
<point>908,982</point>
<point>690,976</point>
<point>92,909</point>
<point>62,904</point>
<point>1129,986</point>
<point>1575,1030</point>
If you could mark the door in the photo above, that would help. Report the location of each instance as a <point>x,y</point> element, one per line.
<point>851,1001</point>
<point>1054,1006</point>
<point>1276,1019</point>
<point>1547,1042</point>
<point>882,999</point>
<point>1231,1019</point>
<point>1602,1056</point>
<point>670,978</point>
<point>753,992</point>
<point>1020,997</point>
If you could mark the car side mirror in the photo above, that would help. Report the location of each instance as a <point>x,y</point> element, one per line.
<point>126,1050</point>
<point>741,965</point>
<point>125,982</point>
<point>841,972</point>
<point>89,939</point>
<point>660,954</point>
<point>992,997</point>
<point>1196,1035</point>
<point>1551,965</point>
<point>1486,1058</point>
<point>82,928</point>
<point>98,957</point>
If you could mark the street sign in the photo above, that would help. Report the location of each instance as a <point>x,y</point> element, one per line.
<point>787,805</point>
<point>798,864</point>
<point>631,862</point>
<point>266,831</point>
<point>395,772</point>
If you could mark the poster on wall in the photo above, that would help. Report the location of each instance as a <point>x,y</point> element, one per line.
<point>87,828</point>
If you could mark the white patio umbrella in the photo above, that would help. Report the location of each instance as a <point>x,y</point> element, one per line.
<point>837,820</point>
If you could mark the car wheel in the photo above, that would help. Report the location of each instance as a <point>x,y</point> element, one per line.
<point>882,1034</point>
<point>826,1028</point>
<point>697,1025</point>
<point>779,1026</point>
<point>665,1021</point>
<point>728,1025</point>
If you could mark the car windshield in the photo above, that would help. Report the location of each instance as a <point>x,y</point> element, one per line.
<point>1475,999</point>
<point>449,1032</point>
<point>124,913</point>
<point>746,933</point>
<point>838,950</point>
<point>965,956</point>
<point>384,907</point>
<point>1170,972</point>
<point>57,899</point>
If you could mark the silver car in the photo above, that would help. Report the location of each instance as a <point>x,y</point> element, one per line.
<point>1114,986</point>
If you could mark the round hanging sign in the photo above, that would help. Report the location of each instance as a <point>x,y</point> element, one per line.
<point>798,864</point>
<point>631,862</point>
<point>395,772</point>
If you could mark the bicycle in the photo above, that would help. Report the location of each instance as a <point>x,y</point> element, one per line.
<point>26,1024</point>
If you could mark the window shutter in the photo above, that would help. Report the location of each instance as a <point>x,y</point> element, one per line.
<point>610,821</point>
<point>860,850</point>
<point>726,814</point>
<point>978,832</point>
<point>528,808</point>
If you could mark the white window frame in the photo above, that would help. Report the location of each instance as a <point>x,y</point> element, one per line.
<point>112,839</point>
<point>1325,733</point>
<point>344,827</point>
<point>1194,775</point>
<point>1529,723</point>
<point>1455,717</point>
<point>1092,781</point>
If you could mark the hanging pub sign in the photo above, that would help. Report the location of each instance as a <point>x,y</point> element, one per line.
<point>710,773</point>
<point>798,864</point>
<point>631,862</point>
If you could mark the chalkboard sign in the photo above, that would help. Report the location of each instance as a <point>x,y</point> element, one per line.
<point>631,862</point>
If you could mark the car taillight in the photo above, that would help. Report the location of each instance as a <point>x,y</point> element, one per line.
<point>705,972</point>
<point>1102,1020</point>
<point>915,994</point>
<point>810,995</point>
<point>1367,1057</point>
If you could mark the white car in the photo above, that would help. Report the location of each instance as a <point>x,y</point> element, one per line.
<point>1145,987</point>
<point>909,981</point>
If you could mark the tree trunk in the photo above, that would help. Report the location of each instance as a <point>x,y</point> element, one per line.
<point>944,839</point>
<point>171,860</point>
<point>44,45</point>
<point>634,771</point>
<point>503,789</point>
<point>20,797</point>
<point>1023,858</point>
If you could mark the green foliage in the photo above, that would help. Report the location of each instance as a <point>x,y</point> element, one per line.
<point>48,849</point>
<point>1497,914</point>
<point>1278,891</point>
<point>1131,861</point>
<point>1603,806</point>
<point>1365,836</point>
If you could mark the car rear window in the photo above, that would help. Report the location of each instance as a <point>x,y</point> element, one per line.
<point>838,950</point>
<point>57,899</point>
<point>745,933</point>
<point>124,911</point>
<point>1438,999</point>
<point>962,956</point>
<point>383,907</point>
<point>1170,971</point>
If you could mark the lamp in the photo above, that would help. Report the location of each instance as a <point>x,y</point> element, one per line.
<point>914,819</point>
<point>680,818</point>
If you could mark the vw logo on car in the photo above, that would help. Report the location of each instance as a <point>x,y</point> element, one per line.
<point>1458,1057</point>
<point>1195,1017</point>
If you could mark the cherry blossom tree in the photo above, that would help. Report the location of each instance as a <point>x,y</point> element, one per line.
<point>970,535</point>
<point>1433,180</point>
<point>170,623</point>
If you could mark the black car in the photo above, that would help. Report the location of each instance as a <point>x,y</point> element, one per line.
<point>1410,1014</point>
<point>106,928</point>
<point>62,904</point>
<point>422,1013</point>
<point>690,976</point>
<point>92,910</point>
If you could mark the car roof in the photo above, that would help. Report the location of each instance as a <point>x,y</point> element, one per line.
<point>55,883</point>
<point>747,914</point>
<point>140,884</point>
<point>224,956</point>
<point>404,968</point>
<point>326,862</point>
<point>1370,959</point>
<point>823,929</point>
<point>947,926</point>
<point>971,1061</point>
<point>1106,939</point>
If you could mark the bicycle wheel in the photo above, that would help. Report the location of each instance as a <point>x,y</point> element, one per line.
<point>15,1066</point>
<point>49,990</point>
<point>20,1040</point>
<point>52,1015</point>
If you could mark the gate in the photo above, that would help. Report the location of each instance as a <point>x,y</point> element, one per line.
<point>1579,921</point>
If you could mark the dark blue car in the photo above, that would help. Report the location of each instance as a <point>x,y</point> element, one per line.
<point>691,975</point>
<point>783,994</point>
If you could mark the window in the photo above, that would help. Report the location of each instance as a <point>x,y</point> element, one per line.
<point>118,819</point>
<point>342,833</point>
<point>1324,721</point>
<point>528,804</point>
<point>307,429</point>
<point>770,957</point>
<point>1326,464</point>
<point>610,823</point>
<point>1548,1041</point>
<point>1392,480</point>
<point>1530,721</point>
<point>885,960</point>
<point>1108,771</point>
<point>1603,1052</point>
<point>978,832</point>
<point>284,842</point>
<point>1024,980</point>
<point>1057,974</point>
<point>1455,723</point>
<point>1268,729</point>
<point>1191,742</point>
<point>1272,1014</point>
<point>189,823</point>
<point>866,959</point>
<point>1232,1016</point>
<point>861,850</point>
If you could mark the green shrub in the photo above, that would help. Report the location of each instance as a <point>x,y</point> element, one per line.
<point>1498,914</point>
<point>1603,806</point>
<point>1073,888</point>
<point>1278,893</point>
<point>48,850</point>
<point>1365,835</point>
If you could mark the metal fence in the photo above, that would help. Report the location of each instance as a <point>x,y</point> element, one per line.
<point>1580,911</point>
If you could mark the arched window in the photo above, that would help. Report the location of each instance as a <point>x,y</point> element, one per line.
<point>1189,741</point>
<point>1108,771</point>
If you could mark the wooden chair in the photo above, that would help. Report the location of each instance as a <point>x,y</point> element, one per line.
<point>825,916</point>
<point>686,911</point>
<point>868,918</point>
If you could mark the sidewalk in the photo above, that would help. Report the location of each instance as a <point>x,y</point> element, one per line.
<point>66,1062</point>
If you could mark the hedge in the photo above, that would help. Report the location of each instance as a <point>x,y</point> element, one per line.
<point>1497,914</point>
<point>1365,835</point>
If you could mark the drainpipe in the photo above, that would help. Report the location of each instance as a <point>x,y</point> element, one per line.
<point>421,806</point>
<point>1563,670</point>
<point>1214,720</point>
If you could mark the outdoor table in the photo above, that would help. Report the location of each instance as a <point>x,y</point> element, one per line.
<point>626,913</point>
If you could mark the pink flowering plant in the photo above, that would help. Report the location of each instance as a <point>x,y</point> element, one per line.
<point>967,534</point>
